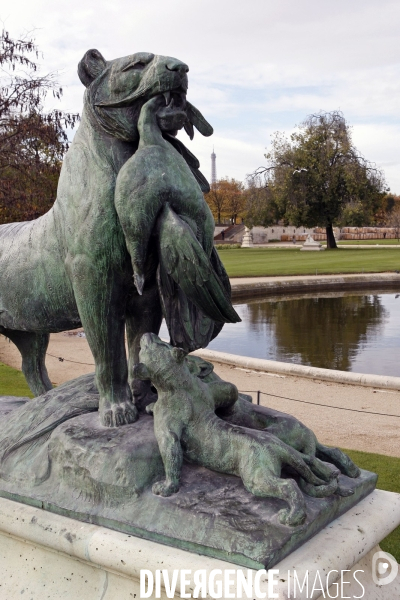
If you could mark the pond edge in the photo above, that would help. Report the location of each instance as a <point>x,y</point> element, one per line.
<point>259,286</point>
<point>273,366</point>
<point>245,287</point>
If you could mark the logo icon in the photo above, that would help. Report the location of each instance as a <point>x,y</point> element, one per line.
<point>384,568</point>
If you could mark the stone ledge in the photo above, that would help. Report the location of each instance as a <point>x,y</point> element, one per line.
<point>97,560</point>
<point>243,287</point>
<point>274,366</point>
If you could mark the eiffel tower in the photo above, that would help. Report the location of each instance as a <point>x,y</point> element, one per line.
<point>213,167</point>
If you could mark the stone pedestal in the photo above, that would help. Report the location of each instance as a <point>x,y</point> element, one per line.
<point>44,555</point>
<point>247,241</point>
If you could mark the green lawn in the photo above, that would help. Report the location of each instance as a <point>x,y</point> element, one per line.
<point>12,382</point>
<point>388,469</point>
<point>371,242</point>
<point>259,262</point>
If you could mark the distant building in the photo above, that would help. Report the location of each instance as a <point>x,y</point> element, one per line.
<point>213,167</point>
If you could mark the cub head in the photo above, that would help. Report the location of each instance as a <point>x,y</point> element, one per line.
<point>200,368</point>
<point>158,360</point>
<point>116,91</point>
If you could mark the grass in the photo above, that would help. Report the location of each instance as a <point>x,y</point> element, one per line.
<point>388,469</point>
<point>380,242</point>
<point>227,246</point>
<point>12,382</point>
<point>260,262</point>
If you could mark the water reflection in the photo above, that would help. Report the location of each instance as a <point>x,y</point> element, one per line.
<point>318,331</point>
<point>357,332</point>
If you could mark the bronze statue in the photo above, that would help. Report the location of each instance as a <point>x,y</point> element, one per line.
<point>128,241</point>
<point>74,265</point>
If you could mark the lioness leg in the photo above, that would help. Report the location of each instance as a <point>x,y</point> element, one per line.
<point>144,316</point>
<point>108,347</point>
<point>103,320</point>
<point>32,347</point>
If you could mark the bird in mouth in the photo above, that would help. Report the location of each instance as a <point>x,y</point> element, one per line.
<point>172,116</point>
<point>175,99</point>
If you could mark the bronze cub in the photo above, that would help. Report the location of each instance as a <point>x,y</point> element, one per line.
<point>184,417</point>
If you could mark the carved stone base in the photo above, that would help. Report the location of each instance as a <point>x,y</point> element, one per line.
<point>82,470</point>
<point>43,555</point>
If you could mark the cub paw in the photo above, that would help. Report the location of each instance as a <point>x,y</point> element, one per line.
<point>344,492</point>
<point>352,471</point>
<point>324,470</point>
<point>119,414</point>
<point>164,488</point>
<point>292,518</point>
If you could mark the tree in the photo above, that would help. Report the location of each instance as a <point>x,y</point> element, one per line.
<point>32,141</point>
<point>235,198</point>
<point>226,198</point>
<point>261,208</point>
<point>394,220</point>
<point>316,174</point>
<point>216,200</point>
<point>389,204</point>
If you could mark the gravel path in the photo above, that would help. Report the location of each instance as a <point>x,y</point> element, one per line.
<point>347,429</point>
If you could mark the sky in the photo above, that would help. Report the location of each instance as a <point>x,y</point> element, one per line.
<point>256,66</point>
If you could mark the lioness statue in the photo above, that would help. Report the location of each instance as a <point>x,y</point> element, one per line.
<point>185,425</point>
<point>72,267</point>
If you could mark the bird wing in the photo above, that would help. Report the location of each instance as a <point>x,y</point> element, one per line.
<point>189,328</point>
<point>183,259</point>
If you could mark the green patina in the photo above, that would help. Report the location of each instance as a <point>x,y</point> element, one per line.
<point>185,424</point>
<point>72,266</point>
<point>129,240</point>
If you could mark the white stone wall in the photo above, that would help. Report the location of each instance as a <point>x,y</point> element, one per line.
<point>263,235</point>
<point>219,228</point>
<point>280,233</point>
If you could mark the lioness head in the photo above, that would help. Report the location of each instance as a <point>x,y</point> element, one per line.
<point>117,90</point>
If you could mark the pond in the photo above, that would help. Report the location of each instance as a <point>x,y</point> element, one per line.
<point>349,331</point>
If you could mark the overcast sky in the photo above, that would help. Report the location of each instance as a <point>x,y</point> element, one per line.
<point>256,66</point>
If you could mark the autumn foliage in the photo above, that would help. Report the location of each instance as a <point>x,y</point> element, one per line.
<point>32,141</point>
<point>227,199</point>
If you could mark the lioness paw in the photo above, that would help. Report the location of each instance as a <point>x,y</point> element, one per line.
<point>164,488</point>
<point>119,414</point>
